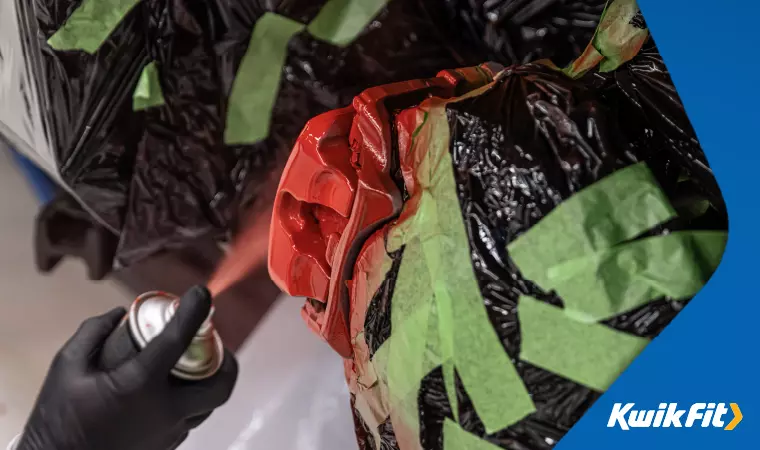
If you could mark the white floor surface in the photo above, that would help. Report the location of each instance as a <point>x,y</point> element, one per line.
<point>291,393</point>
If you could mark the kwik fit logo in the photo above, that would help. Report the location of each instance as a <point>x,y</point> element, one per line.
<point>669,415</point>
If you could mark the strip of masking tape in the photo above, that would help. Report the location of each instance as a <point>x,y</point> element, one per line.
<point>403,409</point>
<point>593,355</point>
<point>465,334</point>
<point>455,438</point>
<point>434,246</point>
<point>615,209</point>
<point>438,197</point>
<point>91,24</point>
<point>148,93</point>
<point>605,284</point>
<point>254,91</point>
<point>339,22</point>
<point>616,40</point>
<point>408,360</point>
<point>618,37</point>
<point>371,404</point>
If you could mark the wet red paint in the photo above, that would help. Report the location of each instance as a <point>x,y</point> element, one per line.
<point>336,190</point>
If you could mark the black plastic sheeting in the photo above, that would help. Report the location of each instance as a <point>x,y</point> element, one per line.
<point>642,94</point>
<point>523,31</point>
<point>161,178</point>
<point>521,149</point>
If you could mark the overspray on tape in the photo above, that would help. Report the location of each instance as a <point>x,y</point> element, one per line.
<point>460,335</point>
<point>617,39</point>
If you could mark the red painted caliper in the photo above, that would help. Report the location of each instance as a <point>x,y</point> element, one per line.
<point>338,188</point>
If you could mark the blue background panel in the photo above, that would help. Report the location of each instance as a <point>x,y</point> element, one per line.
<point>710,352</point>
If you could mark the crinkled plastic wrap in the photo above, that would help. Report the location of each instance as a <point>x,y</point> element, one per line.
<point>649,109</point>
<point>520,150</point>
<point>22,121</point>
<point>160,177</point>
<point>92,130</point>
<point>521,31</point>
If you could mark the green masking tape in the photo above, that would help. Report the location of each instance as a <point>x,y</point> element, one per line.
<point>460,335</point>
<point>583,249</point>
<point>613,281</point>
<point>455,438</point>
<point>257,82</point>
<point>148,93</point>
<point>615,209</point>
<point>91,24</point>
<point>616,40</point>
<point>697,209</point>
<point>590,354</point>
<point>339,22</point>
<point>408,360</point>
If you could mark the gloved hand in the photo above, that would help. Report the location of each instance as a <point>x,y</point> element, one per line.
<point>137,406</point>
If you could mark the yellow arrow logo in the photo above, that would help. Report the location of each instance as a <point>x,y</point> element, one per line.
<point>737,417</point>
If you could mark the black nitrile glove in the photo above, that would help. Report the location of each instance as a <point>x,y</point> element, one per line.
<point>137,406</point>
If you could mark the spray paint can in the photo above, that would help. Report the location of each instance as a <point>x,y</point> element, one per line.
<point>146,319</point>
